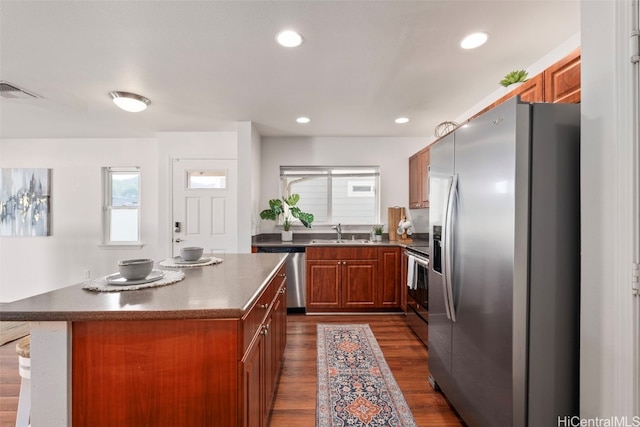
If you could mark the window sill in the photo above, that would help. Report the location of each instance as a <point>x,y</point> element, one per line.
<point>132,245</point>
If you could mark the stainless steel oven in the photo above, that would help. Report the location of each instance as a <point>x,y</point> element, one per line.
<point>418,292</point>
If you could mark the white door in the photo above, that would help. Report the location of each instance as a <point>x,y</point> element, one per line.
<point>205,205</point>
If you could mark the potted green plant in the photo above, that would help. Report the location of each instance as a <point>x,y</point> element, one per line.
<point>287,212</point>
<point>377,231</point>
<point>517,76</point>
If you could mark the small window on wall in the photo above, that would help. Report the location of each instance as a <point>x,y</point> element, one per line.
<point>216,179</point>
<point>335,194</point>
<point>121,206</point>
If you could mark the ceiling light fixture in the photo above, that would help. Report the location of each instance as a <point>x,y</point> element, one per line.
<point>288,38</point>
<point>402,120</point>
<point>303,120</point>
<point>129,101</point>
<point>474,40</point>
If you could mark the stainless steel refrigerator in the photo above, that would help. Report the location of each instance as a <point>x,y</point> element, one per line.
<point>504,279</point>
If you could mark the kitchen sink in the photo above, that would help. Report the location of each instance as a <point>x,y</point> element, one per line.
<point>341,242</point>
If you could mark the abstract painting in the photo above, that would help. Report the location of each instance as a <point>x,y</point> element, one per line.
<point>25,202</point>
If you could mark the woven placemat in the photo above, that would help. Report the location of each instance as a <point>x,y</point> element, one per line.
<point>209,260</point>
<point>101,285</point>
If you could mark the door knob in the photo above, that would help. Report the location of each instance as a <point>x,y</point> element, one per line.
<point>178,240</point>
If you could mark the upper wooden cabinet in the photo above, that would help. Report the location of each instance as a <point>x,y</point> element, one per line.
<point>562,80</point>
<point>530,91</point>
<point>419,179</point>
<point>560,83</point>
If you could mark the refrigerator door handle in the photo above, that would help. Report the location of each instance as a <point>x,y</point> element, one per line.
<point>448,249</point>
<point>445,229</point>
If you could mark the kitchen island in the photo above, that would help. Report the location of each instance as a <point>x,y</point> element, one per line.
<point>200,352</point>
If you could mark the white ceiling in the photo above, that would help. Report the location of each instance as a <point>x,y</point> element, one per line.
<point>207,64</point>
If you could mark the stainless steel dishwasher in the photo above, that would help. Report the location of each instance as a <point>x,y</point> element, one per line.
<point>296,275</point>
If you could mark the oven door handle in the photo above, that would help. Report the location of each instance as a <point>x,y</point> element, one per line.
<point>417,258</point>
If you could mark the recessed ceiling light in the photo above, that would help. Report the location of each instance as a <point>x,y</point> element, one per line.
<point>288,38</point>
<point>402,120</point>
<point>303,120</point>
<point>474,40</point>
<point>130,101</point>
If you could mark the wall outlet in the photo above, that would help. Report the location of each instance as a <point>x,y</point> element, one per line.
<point>87,274</point>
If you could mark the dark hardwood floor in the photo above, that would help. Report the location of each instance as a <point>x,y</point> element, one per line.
<point>295,401</point>
<point>9,384</point>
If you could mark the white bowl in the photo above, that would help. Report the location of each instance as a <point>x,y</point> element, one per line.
<point>191,254</point>
<point>135,269</point>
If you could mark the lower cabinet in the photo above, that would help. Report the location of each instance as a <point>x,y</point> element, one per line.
<point>390,277</point>
<point>167,373</point>
<point>356,278</point>
<point>253,375</point>
<point>262,361</point>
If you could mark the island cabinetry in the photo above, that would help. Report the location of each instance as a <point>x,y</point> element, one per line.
<point>261,363</point>
<point>357,278</point>
<point>179,372</point>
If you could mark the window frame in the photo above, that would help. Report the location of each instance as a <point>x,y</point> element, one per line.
<point>107,208</point>
<point>334,171</point>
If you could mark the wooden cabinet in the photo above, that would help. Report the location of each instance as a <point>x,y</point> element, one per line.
<point>424,179</point>
<point>182,372</point>
<point>419,179</point>
<point>359,283</point>
<point>355,278</point>
<point>404,260</point>
<point>559,83</point>
<point>389,277</point>
<point>562,80</point>
<point>530,91</point>
<point>340,278</point>
<point>261,363</point>
<point>252,383</point>
<point>414,182</point>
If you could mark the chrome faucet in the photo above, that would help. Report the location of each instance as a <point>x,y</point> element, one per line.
<point>338,229</point>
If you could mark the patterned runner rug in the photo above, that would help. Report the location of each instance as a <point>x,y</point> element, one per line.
<point>355,385</point>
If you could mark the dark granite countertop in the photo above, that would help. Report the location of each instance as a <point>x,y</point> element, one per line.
<point>305,239</point>
<point>224,290</point>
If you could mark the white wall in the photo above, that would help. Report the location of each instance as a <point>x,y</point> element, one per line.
<point>249,150</point>
<point>608,377</point>
<point>33,265</point>
<point>391,154</point>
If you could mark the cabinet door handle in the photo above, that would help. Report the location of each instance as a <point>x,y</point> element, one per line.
<point>265,306</point>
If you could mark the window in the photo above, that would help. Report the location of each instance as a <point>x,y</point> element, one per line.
<point>216,179</point>
<point>335,194</point>
<point>121,210</point>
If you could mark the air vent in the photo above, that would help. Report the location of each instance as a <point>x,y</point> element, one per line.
<point>10,91</point>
